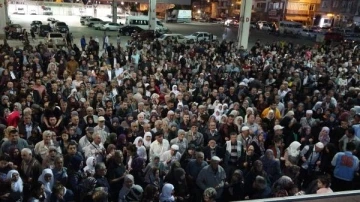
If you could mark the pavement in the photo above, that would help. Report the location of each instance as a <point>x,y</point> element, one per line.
<point>183,28</point>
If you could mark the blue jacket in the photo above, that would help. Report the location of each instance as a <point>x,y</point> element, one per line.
<point>346,164</point>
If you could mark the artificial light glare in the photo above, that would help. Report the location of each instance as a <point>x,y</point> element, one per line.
<point>199,11</point>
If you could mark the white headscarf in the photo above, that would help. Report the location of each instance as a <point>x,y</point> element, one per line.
<point>147,143</point>
<point>166,193</point>
<point>136,141</point>
<point>293,149</point>
<point>15,186</point>
<point>175,91</point>
<point>48,185</point>
<point>90,165</point>
<point>217,114</point>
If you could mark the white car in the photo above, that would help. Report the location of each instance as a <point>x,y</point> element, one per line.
<point>55,38</point>
<point>308,32</point>
<point>178,37</point>
<point>266,27</point>
<point>90,22</point>
<point>200,36</point>
<point>98,25</point>
<point>110,26</point>
<point>84,18</point>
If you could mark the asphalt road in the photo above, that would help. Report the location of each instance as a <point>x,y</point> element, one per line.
<point>231,32</point>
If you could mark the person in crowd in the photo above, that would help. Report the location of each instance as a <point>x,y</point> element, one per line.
<point>346,165</point>
<point>323,184</point>
<point>167,193</point>
<point>209,195</point>
<point>77,113</point>
<point>214,169</point>
<point>310,162</point>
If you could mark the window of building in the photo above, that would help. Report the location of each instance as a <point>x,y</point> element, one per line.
<point>324,4</point>
<point>312,7</point>
<point>335,4</point>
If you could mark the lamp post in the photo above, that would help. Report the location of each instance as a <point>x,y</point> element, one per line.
<point>95,5</point>
<point>244,24</point>
<point>114,11</point>
<point>152,15</point>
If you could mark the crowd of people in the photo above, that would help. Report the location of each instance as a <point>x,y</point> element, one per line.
<point>163,121</point>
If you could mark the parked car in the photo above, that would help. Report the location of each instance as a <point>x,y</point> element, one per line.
<point>90,22</point>
<point>128,30</point>
<point>51,19</point>
<point>61,27</point>
<point>146,35</point>
<point>110,26</point>
<point>308,32</point>
<point>35,24</point>
<point>97,26</point>
<point>56,39</point>
<point>267,27</point>
<point>200,36</point>
<point>20,11</point>
<point>84,18</point>
<point>173,37</point>
<point>43,30</point>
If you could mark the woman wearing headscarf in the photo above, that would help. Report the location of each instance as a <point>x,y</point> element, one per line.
<point>174,90</point>
<point>181,188</point>
<point>167,193</point>
<point>154,164</point>
<point>15,156</point>
<point>236,190</point>
<point>87,188</point>
<point>328,154</point>
<point>147,140</point>
<point>271,165</point>
<point>16,183</point>
<point>127,185</point>
<point>239,120</point>
<point>90,166</point>
<point>47,178</point>
<point>217,114</point>
<point>324,135</point>
<point>247,160</point>
<point>121,142</point>
<point>170,176</point>
<point>135,164</point>
<point>256,169</point>
<point>141,150</point>
<point>292,154</point>
<point>259,143</point>
<point>290,130</point>
<point>75,174</point>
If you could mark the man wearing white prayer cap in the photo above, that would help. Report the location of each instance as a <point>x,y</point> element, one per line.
<point>170,156</point>
<point>310,156</point>
<point>212,175</point>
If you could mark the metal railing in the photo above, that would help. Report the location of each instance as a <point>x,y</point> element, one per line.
<point>338,196</point>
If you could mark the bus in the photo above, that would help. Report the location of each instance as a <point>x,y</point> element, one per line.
<point>142,21</point>
<point>290,27</point>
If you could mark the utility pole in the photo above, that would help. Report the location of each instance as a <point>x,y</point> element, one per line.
<point>152,15</point>
<point>244,24</point>
<point>114,11</point>
<point>3,19</point>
